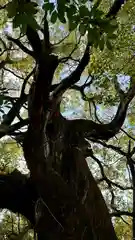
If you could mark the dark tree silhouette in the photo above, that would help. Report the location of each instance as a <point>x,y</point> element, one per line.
<point>60,198</point>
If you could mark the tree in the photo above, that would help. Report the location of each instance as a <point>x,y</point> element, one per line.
<point>61,198</point>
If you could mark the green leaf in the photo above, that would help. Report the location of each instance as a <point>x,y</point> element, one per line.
<point>83,1</point>
<point>98,14</point>
<point>82,29</point>
<point>112,36</point>
<point>72,25</point>
<point>131,119</point>
<point>61,17</point>
<point>21,20</point>
<point>23,28</point>
<point>93,36</point>
<point>71,11</point>
<point>54,17</point>
<point>104,24</point>
<point>101,43</point>
<point>48,6</point>
<point>110,28</point>
<point>32,22</point>
<point>30,8</point>
<point>109,45</point>
<point>61,5</point>
<point>97,3</point>
<point>12,9</point>
<point>17,21</point>
<point>83,11</point>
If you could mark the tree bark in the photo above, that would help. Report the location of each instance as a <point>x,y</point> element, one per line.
<point>70,204</point>
<point>18,195</point>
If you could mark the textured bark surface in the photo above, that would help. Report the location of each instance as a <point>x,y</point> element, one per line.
<point>70,204</point>
<point>60,198</point>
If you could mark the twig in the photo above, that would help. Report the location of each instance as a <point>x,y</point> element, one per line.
<point>119,213</point>
<point>9,70</point>
<point>128,134</point>
<point>57,43</point>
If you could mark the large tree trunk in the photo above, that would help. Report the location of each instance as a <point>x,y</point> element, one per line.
<point>70,204</point>
<point>63,198</point>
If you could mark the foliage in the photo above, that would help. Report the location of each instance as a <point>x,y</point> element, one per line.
<point>123,230</point>
<point>112,54</point>
<point>121,59</point>
<point>79,15</point>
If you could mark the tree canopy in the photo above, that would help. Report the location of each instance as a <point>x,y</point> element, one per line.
<point>56,57</point>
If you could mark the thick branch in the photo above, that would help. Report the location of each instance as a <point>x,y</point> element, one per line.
<point>17,194</point>
<point>34,41</point>
<point>46,35</point>
<point>17,126</point>
<point>8,119</point>
<point>78,88</point>
<point>90,129</point>
<point>5,127</point>
<point>75,76</point>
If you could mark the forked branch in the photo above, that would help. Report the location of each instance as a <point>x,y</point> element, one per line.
<point>92,130</point>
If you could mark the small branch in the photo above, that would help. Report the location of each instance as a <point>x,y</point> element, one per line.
<point>25,82</point>
<point>95,112</point>
<point>5,47</point>
<point>114,148</point>
<point>10,130</point>
<point>14,111</point>
<point>21,46</point>
<point>57,43</point>
<point>17,126</point>
<point>104,177</point>
<point>65,59</point>
<point>121,213</point>
<point>114,184</point>
<point>4,62</point>
<point>10,116</point>
<point>118,89</point>
<point>75,75</point>
<point>9,70</point>
<point>128,134</point>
